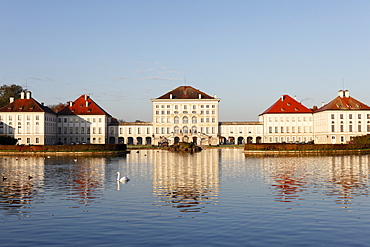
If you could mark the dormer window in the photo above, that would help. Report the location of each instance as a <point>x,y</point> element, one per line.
<point>89,110</point>
<point>282,109</point>
<point>296,109</point>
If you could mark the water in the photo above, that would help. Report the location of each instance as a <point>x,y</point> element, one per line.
<point>212,198</point>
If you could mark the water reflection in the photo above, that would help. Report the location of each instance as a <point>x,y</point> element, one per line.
<point>22,180</point>
<point>186,181</point>
<point>342,177</point>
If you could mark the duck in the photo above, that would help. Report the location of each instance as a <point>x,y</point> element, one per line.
<point>122,179</point>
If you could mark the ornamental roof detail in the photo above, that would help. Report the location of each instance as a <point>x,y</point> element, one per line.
<point>344,102</point>
<point>286,104</point>
<point>185,92</point>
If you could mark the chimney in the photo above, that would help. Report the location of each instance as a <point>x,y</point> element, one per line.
<point>70,103</point>
<point>28,95</point>
<point>22,95</point>
<point>87,103</point>
<point>322,103</point>
<point>295,97</point>
<point>85,96</point>
<point>215,96</point>
<point>170,95</point>
<point>282,97</point>
<point>346,94</point>
<point>200,96</point>
<point>42,103</point>
<point>11,99</point>
<point>340,93</point>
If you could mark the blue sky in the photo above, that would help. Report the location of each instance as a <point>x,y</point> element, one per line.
<point>124,53</point>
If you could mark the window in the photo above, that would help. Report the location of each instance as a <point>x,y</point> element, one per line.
<point>350,128</point>
<point>176,130</point>
<point>282,130</point>
<point>185,120</point>
<point>176,120</point>
<point>350,116</point>
<point>194,120</point>
<point>359,128</point>
<point>359,116</point>
<point>332,128</point>
<point>82,130</point>
<point>70,130</point>
<point>341,128</point>
<point>341,116</point>
<point>100,130</point>
<point>65,130</point>
<point>276,129</point>
<point>194,129</point>
<point>37,140</point>
<point>19,117</point>
<point>130,130</point>
<point>28,140</point>
<point>65,120</point>
<point>270,129</point>
<point>332,116</point>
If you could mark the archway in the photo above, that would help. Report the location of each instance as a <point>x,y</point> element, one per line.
<point>148,141</point>
<point>139,141</point>
<point>222,140</point>
<point>112,140</point>
<point>249,139</point>
<point>130,141</point>
<point>258,139</point>
<point>185,139</point>
<point>121,140</point>
<point>231,140</point>
<point>240,140</point>
<point>176,139</point>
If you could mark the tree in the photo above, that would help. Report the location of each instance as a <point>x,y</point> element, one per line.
<point>57,108</point>
<point>9,91</point>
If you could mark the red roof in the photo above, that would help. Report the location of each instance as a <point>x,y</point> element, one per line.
<point>84,105</point>
<point>287,104</point>
<point>344,103</point>
<point>26,105</point>
<point>185,92</point>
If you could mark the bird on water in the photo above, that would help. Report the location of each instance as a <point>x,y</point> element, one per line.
<point>122,179</point>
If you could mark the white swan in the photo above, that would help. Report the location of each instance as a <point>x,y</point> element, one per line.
<point>122,179</point>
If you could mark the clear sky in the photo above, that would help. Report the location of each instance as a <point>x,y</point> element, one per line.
<point>124,53</point>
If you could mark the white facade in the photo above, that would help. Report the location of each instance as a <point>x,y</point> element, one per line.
<point>185,114</point>
<point>28,121</point>
<point>82,129</point>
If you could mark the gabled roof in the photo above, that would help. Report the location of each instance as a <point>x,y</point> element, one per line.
<point>84,105</point>
<point>287,104</point>
<point>344,102</point>
<point>26,105</point>
<point>185,92</point>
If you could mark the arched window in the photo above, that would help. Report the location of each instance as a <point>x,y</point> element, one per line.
<point>176,120</point>
<point>194,129</point>
<point>176,130</point>
<point>185,130</point>
<point>194,120</point>
<point>185,120</point>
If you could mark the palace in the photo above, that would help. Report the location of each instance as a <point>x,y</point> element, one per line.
<point>184,114</point>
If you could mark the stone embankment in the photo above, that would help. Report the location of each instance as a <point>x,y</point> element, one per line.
<point>65,148</point>
<point>285,147</point>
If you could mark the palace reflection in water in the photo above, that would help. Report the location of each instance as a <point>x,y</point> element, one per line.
<point>188,182</point>
<point>341,177</point>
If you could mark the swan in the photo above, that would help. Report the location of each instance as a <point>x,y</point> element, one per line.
<point>122,179</point>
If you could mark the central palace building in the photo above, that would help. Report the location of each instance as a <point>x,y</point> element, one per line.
<point>185,114</point>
